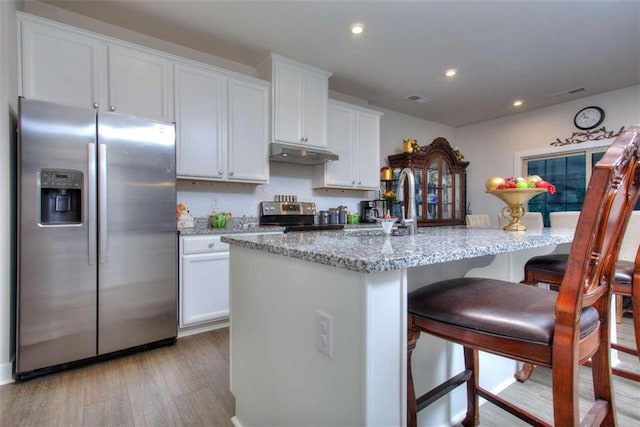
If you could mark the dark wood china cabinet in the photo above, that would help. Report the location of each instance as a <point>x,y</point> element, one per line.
<point>441,182</point>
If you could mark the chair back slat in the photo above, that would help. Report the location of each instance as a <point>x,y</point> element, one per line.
<point>609,200</point>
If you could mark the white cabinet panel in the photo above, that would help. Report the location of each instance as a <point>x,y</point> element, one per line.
<point>222,125</point>
<point>368,149</point>
<point>205,288</point>
<point>139,83</point>
<point>69,66</point>
<point>248,131</point>
<point>341,135</point>
<point>354,134</point>
<point>300,98</point>
<point>61,65</point>
<point>199,106</point>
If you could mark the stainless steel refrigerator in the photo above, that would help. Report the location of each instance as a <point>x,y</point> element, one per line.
<point>96,235</point>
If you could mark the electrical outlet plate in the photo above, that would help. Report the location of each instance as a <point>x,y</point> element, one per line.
<point>324,333</point>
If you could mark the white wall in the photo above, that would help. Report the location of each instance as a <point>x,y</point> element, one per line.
<point>490,146</point>
<point>8,101</point>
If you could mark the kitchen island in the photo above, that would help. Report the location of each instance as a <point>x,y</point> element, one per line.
<point>318,321</point>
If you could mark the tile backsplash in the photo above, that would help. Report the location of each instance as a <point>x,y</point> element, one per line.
<point>202,197</point>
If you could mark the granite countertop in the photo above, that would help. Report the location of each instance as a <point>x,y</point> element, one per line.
<point>242,225</point>
<point>370,251</point>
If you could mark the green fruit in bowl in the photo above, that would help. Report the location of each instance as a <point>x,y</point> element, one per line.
<point>522,184</point>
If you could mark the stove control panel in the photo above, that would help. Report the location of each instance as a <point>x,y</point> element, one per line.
<point>287,208</point>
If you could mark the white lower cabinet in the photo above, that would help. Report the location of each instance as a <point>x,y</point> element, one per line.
<point>204,280</point>
<point>204,283</point>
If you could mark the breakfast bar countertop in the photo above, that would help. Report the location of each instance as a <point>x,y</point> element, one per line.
<point>370,251</point>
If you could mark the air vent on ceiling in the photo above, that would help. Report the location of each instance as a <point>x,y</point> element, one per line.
<point>418,98</point>
<point>567,92</point>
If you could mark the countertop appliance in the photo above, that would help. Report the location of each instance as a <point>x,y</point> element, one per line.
<point>294,216</point>
<point>368,211</point>
<point>96,235</point>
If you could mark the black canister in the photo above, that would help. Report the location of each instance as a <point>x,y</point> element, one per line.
<point>342,214</point>
<point>323,217</point>
<point>333,216</point>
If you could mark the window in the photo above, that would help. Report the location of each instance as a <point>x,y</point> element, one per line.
<point>569,172</point>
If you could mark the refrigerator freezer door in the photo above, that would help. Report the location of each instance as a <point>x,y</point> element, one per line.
<point>56,294</point>
<point>137,240</point>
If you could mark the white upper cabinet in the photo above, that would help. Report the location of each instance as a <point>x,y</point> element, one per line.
<point>199,101</point>
<point>69,66</point>
<point>354,135</point>
<point>222,125</point>
<point>62,65</point>
<point>300,99</point>
<point>248,130</point>
<point>139,83</point>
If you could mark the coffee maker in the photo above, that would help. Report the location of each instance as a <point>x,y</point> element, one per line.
<point>368,211</point>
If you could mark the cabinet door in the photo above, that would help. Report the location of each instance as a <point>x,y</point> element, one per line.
<point>139,83</point>
<point>204,288</point>
<point>315,101</point>
<point>287,103</point>
<point>248,131</point>
<point>62,65</point>
<point>199,96</point>
<point>341,142</point>
<point>368,150</point>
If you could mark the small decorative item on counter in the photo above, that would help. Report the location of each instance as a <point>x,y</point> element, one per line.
<point>387,222</point>
<point>532,181</point>
<point>386,173</point>
<point>353,218</point>
<point>220,219</point>
<point>388,195</point>
<point>410,145</point>
<point>183,216</point>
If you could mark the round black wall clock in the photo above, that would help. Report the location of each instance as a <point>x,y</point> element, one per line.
<point>589,118</point>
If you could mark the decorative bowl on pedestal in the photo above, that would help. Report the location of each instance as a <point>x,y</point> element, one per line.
<point>515,198</point>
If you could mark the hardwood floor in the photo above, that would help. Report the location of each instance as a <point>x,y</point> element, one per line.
<point>188,384</point>
<point>184,384</point>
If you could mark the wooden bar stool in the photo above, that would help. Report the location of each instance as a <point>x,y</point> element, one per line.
<point>560,330</point>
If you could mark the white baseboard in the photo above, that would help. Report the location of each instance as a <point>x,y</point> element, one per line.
<point>6,375</point>
<point>197,329</point>
<point>235,422</point>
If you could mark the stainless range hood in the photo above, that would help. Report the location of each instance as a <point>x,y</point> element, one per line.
<point>301,155</point>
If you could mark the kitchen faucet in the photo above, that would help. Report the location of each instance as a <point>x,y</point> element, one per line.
<point>408,220</point>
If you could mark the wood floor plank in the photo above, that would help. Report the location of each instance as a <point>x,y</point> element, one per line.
<point>202,408</point>
<point>114,411</point>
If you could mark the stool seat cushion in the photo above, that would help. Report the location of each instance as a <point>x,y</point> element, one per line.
<point>494,307</point>
<point>553,264</point>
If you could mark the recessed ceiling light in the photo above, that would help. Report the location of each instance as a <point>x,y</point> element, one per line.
<point>357,28</point>
<point>451,72</point>
<point>517,103</point>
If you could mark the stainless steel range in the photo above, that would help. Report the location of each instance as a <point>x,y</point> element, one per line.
<point>294,216</point>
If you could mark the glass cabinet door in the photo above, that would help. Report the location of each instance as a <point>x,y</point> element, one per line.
<point>446,189</point>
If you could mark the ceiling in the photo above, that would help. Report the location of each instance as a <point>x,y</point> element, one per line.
<point>503,50</point>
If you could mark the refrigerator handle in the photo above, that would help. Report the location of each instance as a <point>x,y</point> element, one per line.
<point>92,207</point>
<point>102,203</point>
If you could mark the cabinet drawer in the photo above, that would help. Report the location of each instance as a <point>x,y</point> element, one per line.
<point>200,244</point>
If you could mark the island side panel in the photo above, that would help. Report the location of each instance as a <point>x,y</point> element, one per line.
<point>277,374</point>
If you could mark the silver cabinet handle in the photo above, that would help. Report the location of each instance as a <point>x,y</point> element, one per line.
<point>230,173</point>
<point>359,182</point>
<point>302,139</point>
<point>112,108</point>
<point>353,182</point>
<point>92,218</point>
<point>102,204</point>
<point>211,244</point>
<point>220,172</point>
<point>96,105</point>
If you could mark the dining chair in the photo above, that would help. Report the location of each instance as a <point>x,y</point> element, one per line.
<point>531,220</point>
<point>478,221</point>
<point>560,330</point>
<point>550,269</point>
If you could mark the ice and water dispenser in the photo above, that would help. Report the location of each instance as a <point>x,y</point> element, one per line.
<point>60,197</point>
